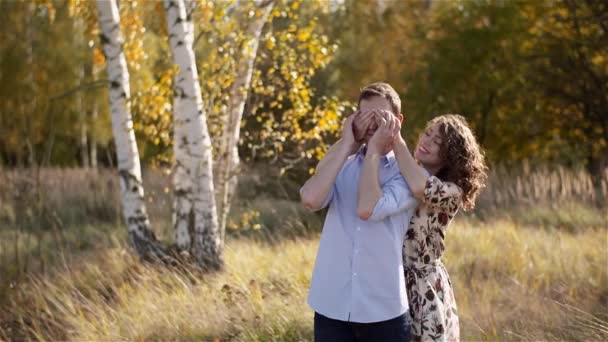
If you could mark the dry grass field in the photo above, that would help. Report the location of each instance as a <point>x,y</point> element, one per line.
<point>531,263</point>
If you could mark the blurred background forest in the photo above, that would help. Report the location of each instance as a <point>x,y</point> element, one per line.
<point>531,77</point>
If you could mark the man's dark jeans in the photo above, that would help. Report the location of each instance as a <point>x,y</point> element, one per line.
<point>331,330</point>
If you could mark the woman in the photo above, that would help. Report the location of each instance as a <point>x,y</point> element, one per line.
<point>446,173</point>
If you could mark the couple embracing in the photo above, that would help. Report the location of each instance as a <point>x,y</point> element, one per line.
<point>378,275</point>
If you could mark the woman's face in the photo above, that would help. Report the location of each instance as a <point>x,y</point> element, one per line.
<point>427,150</point>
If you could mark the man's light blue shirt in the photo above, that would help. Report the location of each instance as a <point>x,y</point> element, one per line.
<point>358,274</point>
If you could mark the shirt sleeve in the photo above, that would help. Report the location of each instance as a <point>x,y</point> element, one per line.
<point>396,198</point>
<point>334,188</point>
<point>329,197</point>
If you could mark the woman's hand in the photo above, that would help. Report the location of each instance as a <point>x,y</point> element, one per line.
<point>398,138</point>
<point>382,141</point>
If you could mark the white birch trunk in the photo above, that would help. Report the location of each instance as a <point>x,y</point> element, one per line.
<point>194,212</point>
<point>228,161</point>
<point>131,188</point>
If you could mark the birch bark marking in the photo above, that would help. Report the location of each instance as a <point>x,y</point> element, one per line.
<point>228,161</point>
<point>194,212</point>
<point>131,188</point>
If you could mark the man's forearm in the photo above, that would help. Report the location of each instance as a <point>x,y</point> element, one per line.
<point>335,151</point>
<point>318,187</point>
<point>369,185</point>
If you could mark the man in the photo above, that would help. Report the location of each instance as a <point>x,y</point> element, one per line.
<point>358,287</point>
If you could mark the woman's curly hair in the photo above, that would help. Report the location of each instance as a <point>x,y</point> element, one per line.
<point>464,160</point>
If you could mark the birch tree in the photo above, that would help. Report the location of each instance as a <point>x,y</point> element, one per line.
<point>228,159</point>
<point>260,79</point>
<point>194,213</point>
<point>131,188</point>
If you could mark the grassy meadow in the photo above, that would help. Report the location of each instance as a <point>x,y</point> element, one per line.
<point>530,263</point>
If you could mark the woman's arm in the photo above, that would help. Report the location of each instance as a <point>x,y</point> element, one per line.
<point>414,174</point>
<point>369,185</point>
<point>369,182</point>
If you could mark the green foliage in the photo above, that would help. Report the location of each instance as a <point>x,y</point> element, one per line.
<point>284,120</point>
<point>569,53</point>
<point>530,76</point>
<point>43,50</point>
<point>510,68</point>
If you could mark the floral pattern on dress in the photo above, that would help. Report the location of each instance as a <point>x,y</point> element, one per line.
<point>433,312</point>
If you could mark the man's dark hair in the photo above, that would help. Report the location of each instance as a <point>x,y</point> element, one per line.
<point>383,90</point>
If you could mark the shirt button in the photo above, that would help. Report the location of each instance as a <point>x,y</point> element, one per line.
<point>356,251</point>
<point>358,228</point>
<point>355,274</point>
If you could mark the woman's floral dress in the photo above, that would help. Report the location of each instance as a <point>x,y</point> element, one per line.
<point>431,299</point>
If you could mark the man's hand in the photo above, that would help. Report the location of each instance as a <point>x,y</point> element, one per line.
<point>382,141</point>
<point>348,135</point>
<point>361,124</point>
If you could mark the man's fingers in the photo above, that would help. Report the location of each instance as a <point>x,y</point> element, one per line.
<point>349,120</point>
<point>365,119</point>
<point>365,114</point>
<point>355,115</point>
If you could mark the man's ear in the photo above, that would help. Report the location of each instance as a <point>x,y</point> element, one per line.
<point>400,117</point>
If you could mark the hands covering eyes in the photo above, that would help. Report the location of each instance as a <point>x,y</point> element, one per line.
<point>380,127</point>
<point>389,129</point>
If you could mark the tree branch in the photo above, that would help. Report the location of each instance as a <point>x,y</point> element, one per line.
<point>81,87</point>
